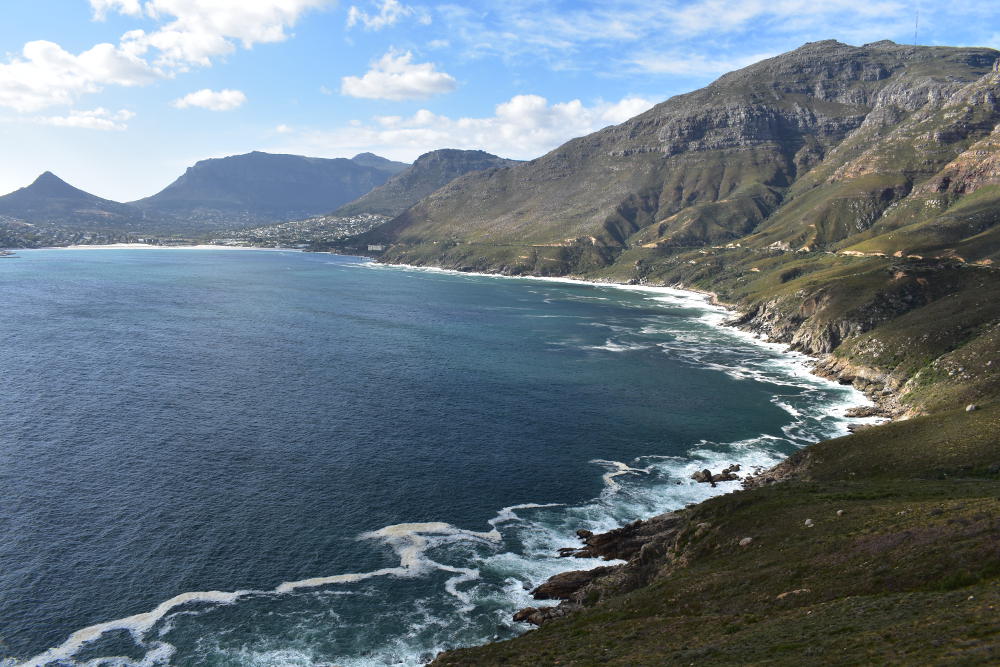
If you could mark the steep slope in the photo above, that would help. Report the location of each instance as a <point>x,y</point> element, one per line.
<point>49,200</point>
<point>821,132</point>
<point>428,173</point>
<point>262,187</point>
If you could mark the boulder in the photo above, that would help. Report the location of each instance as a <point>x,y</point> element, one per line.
<point>562,586</point>
<point>702,476</point>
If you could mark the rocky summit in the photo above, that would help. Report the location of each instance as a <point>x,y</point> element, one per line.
<point>51,200</point>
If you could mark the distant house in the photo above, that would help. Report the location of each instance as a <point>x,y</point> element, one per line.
<point>376,248</point>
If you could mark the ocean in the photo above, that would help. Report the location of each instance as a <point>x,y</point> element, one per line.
<point>223,457</point>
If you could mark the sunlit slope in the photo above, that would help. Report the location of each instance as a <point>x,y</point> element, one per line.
<point>807,150</point>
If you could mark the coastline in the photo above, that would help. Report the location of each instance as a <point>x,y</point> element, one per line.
<point>822,366</point>
<point>410,540</point>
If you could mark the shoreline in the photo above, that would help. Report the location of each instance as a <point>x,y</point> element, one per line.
<point>626,541</point>
<point>719,315</point>
<point>815,364</point>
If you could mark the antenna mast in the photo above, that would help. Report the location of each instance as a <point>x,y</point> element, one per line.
<point>916,24</point>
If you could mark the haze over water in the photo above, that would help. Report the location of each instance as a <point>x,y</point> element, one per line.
<point>263,423</point>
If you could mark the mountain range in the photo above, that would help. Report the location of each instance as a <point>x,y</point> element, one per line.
<point>213,194</point>
<point>260,187</point>
<point>828,147</point>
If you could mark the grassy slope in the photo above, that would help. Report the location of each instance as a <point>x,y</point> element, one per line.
<point>908,574</point>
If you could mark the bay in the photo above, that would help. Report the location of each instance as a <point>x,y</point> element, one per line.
<point>366,464</point>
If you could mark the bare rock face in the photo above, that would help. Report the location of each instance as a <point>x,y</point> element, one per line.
<point>562,586</point>
<point>624,543</point>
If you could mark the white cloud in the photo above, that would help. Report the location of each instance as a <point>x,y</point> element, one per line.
<point>221,100</point>
<point>396,77</point>
<point>628,107</point>
<point>283,129</point>
<point>524,126</point>
<point>94,119</point>
<point>45,74</point>
<point>576,35</point>
<point>389,12</point>
<point>203,29</point>
<point>325,91</point>
<point>192,32</point>
<point>102,7</point>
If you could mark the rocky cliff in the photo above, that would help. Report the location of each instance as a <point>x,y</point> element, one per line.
<point>818,149</point>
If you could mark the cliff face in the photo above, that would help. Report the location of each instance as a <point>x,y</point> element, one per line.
<point>807,150</point>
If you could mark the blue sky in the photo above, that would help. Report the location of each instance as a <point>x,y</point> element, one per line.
<point>119,96</point>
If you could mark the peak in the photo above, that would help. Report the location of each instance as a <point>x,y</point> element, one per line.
<point>367,155</point>
<point>880,43</point>
<point>48,177</point>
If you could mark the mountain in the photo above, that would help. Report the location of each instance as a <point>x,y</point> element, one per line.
<point>264,187</point>
<point>51,200</point>
<point>379,162</point>
<point>428,173</point>
<point>825,132</point>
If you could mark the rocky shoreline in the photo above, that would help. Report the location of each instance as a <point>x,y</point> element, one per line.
<point>646,541</point>
<point>642,541</point>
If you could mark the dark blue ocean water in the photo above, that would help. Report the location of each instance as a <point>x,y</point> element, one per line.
<point>274,458</point>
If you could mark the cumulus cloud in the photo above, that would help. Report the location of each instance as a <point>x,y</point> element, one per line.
<point>190,32</point>
<point>199,30</point>
<point>389,12</point>
<point>396,77</point>
<point>45,74</point>
<point>94,119</point>
<point>524,126</point>
<point>213,100</point>
<point>283,129</point>
<point>102,7</point>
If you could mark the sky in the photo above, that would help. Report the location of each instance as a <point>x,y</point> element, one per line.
<point>118,97</point>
